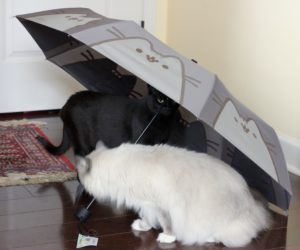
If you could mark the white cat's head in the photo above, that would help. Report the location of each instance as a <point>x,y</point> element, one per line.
<point>83,165</point>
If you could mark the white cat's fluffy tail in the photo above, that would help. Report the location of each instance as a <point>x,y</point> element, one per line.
<point>243,229</point>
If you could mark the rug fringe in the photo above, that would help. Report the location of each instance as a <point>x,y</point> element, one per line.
<point>15,123</point>
<point>14,179</point>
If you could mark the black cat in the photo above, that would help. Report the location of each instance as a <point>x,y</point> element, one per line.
<point>91,116</point>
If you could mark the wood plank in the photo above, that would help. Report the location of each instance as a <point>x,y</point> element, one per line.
<point>13,192</point>
<point>55,216</point>
<point>34,204</point>
<point>275,238</point>
<point>279,221</point>
<point>60,233</point>
<point>66,188</point>
<point>124,241</point>
<point>147,240</point>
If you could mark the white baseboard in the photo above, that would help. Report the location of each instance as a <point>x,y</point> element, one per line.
<point>291,150</point>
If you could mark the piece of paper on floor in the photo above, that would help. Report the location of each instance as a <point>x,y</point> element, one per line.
<point>84,241</point>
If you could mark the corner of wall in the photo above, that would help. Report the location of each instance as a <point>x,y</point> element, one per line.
<point>162,20</point>
<point>291,150</point>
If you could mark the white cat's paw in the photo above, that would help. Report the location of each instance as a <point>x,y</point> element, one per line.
<point>140,225</point>
<point>166,238</point>
<point>211,240</point>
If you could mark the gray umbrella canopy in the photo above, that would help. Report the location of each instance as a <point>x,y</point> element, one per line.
<point>94,49</point>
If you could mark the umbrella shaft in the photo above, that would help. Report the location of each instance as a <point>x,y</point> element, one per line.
<point>153,118</point>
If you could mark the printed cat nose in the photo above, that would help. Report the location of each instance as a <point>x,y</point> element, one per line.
<point>151,58</point>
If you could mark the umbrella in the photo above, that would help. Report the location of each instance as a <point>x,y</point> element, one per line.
<point>115,56</point>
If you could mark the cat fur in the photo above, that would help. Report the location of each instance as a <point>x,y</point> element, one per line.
<point>193,197</point>
<point>91,116</point>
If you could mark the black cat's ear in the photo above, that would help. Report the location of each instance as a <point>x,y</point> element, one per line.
<point>153,91</point>
<point>100,146</point>
<point>88,164</point>
<point>150,89</point>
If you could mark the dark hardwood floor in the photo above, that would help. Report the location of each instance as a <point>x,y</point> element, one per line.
<point>41,217</point>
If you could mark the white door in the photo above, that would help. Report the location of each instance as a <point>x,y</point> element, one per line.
<point>28,82</point>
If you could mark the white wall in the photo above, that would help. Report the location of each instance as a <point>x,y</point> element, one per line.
<point>254,47</point>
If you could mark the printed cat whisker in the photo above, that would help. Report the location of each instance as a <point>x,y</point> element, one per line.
<point>195,82</point>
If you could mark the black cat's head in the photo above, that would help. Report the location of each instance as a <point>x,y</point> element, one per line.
<point>158,101</point>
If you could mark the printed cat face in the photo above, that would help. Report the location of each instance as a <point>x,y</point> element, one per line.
<point>166,71</point>
<point>245,135</point>
<point>63,21</point>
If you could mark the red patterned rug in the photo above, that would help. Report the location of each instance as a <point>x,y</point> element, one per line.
<point>23,160</point>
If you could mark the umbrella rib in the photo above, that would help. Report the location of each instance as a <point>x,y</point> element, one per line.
<point>143,132</point>
<point>217,98</point>
<point>270,145</point>
<point>271,149</point>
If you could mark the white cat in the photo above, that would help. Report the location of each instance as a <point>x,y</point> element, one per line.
<point>192,197</point>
